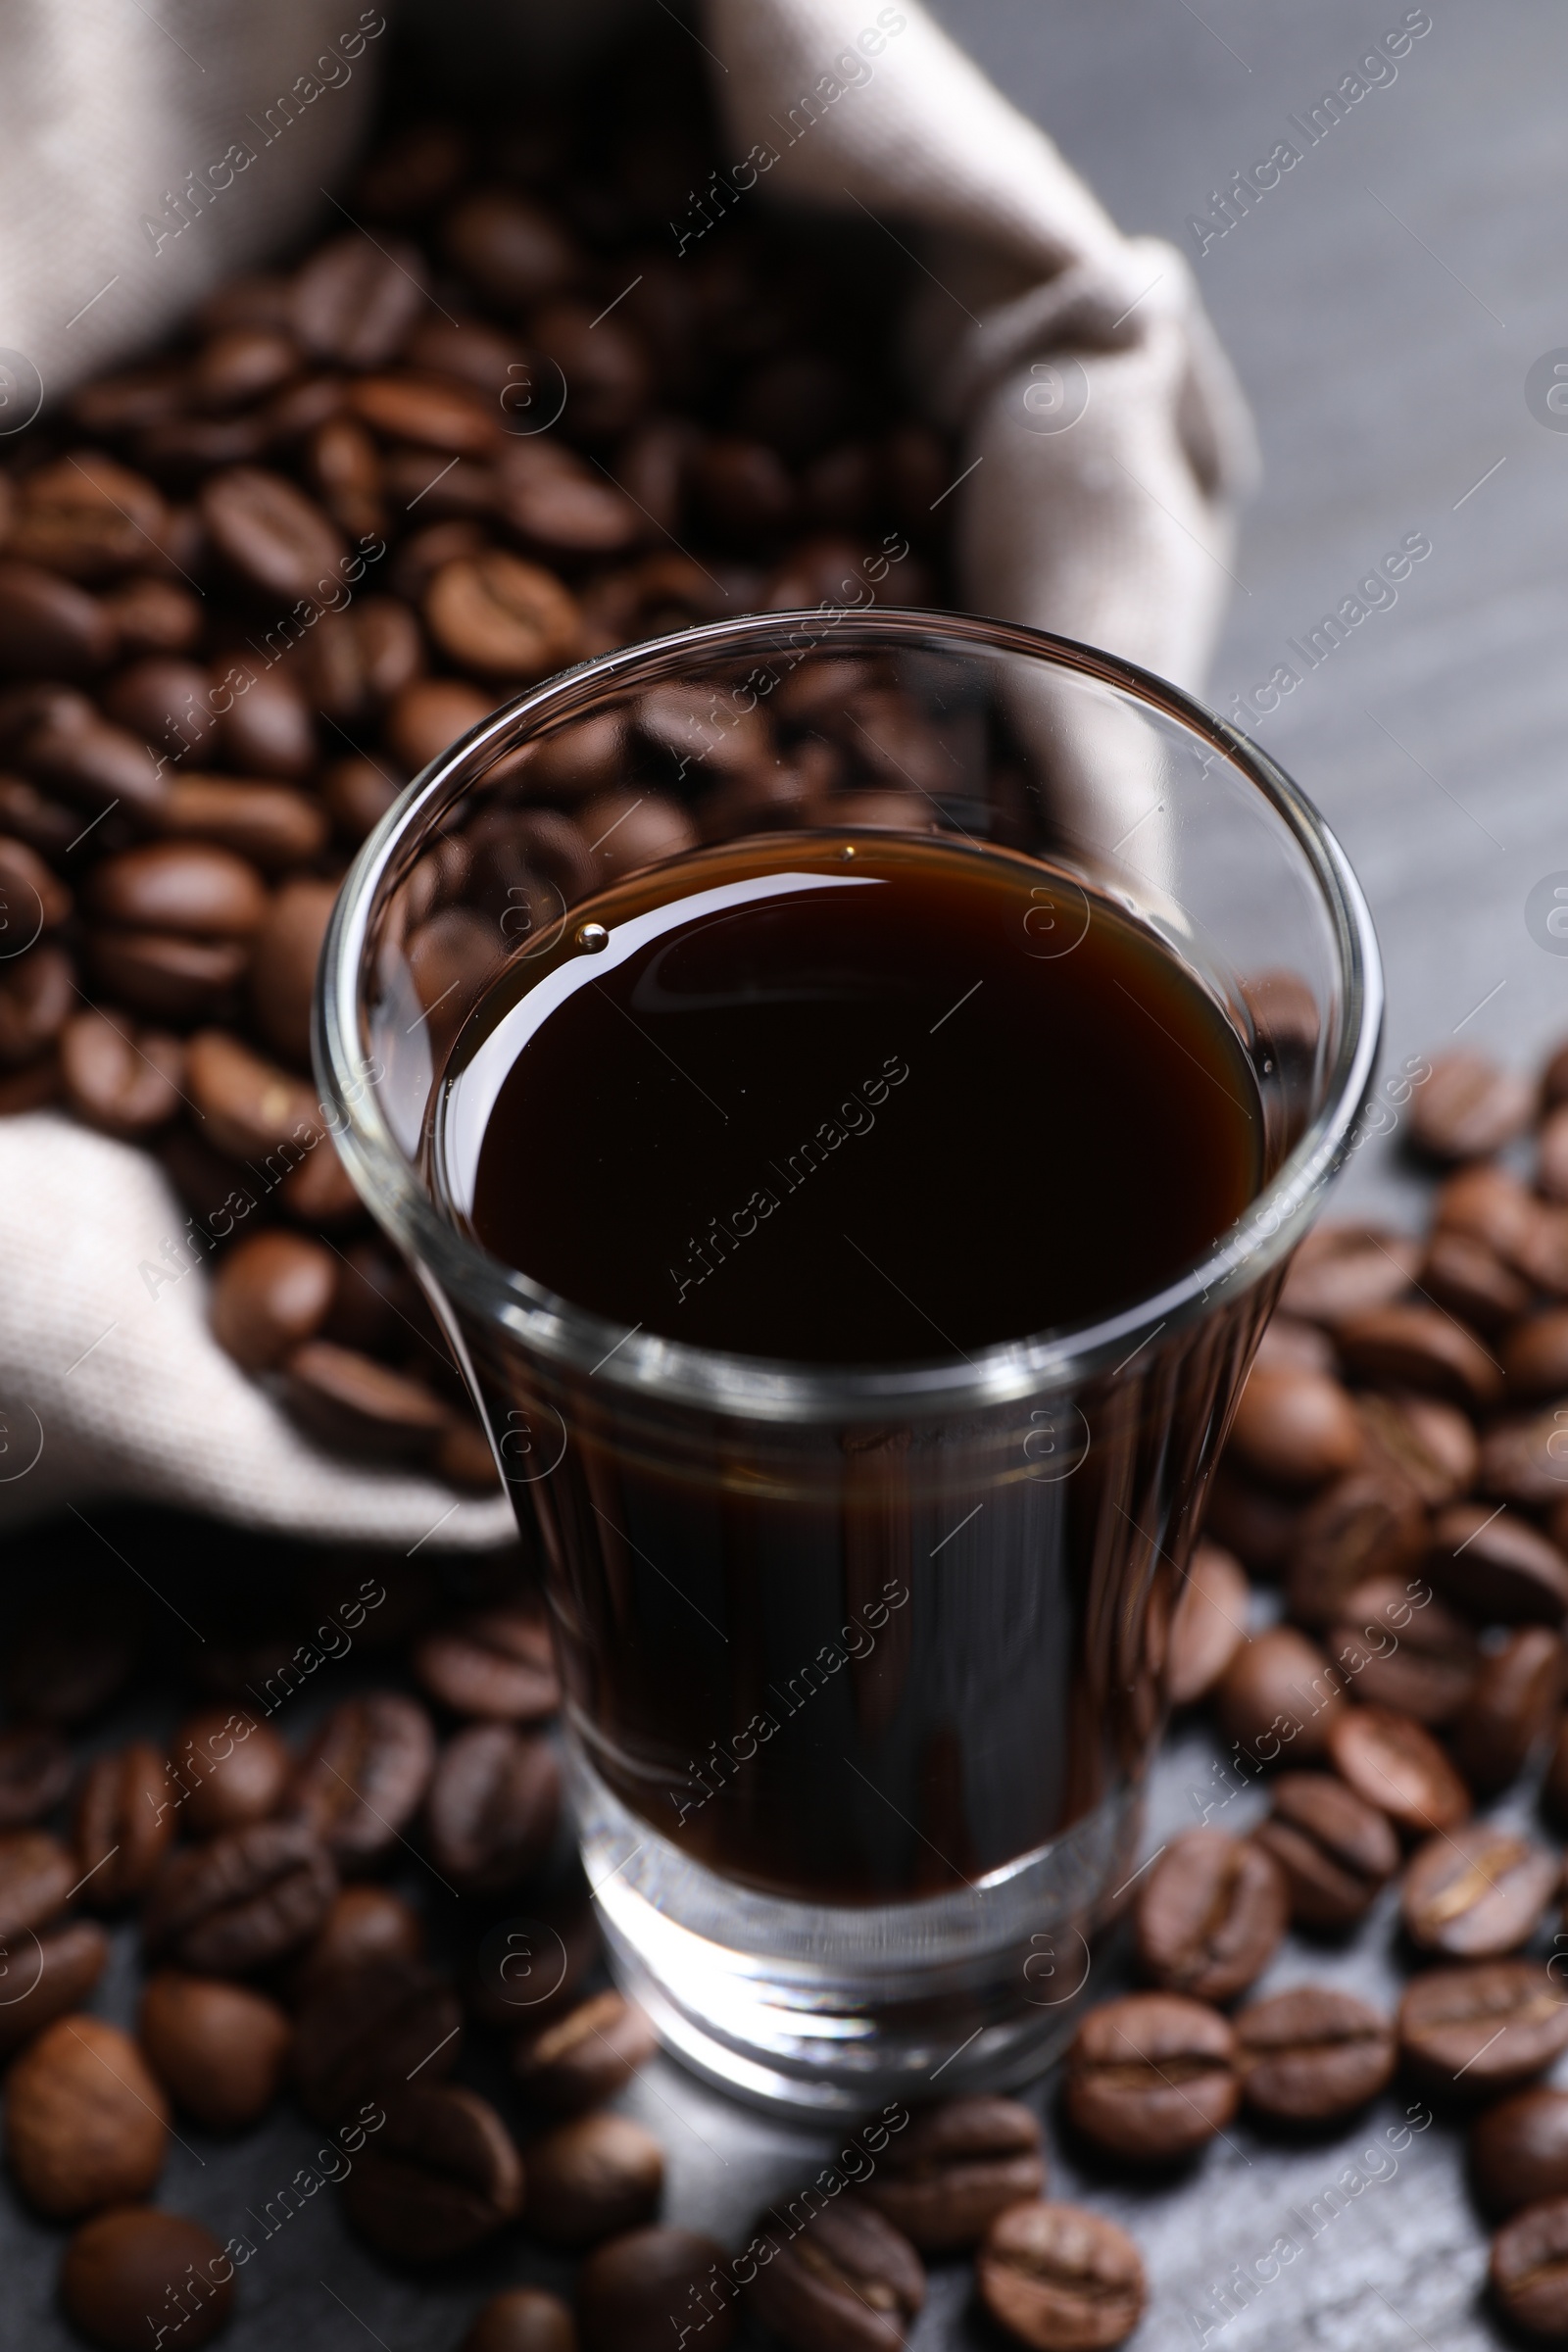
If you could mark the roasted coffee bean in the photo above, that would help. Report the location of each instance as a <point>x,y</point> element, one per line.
<point>166,976</point>
<point>555,502</point>
<point>274,536</point>
<point>31,897</point>
<point>1151,2077</point>
<point>1313,2055</point>
<point>1280,1696</point>
<point>88,516</point>
<point>1335,1849</point>
<point>1432,1444</point>
<point>1467,1279</point>
<point>1522,1458</point>
<point>270,824</point>
<point>150,616</point>
<point>368,2028</point>
<point>638,2290</point>
<point>428,716</point>
<point>1535,1356</point>
<point>1288,1340</point>
<point>492,1807</point>
<point>242,364</point>
<point>227,1769</point>
<point>271,1291</point>
<point>1468,1107</point>
<point>93,766</point>
<point>1210,1915</point>
<point>217,2048</point>
<point>34,1773</point>
<point>1207,1626</point>
<point>1552,1156</point>
<point>1511,1701</point>
<point>501,617</point>
<point>1059,2278</point>
<point>440,2176</point>
<point>44,1976</point>
<point>1519,2151</point>
<point>119,1076</point>
<point>1256,1523</point>
<point>512,250</point>
<point>522,2319</point>
<point>185,887</point>
<point>626,831</point>
<point>49,628</point>
<point>85,2124</point>
<point>121,2270</point>
<point>37,995</point>
<point>743,489</point>
<point>428,411</point>
<point>247,1106</point>
<point>1399,1648</point>
<point>846,2280</point>
<point>124,1820</point>
<point>244,1899</point>
<point>363,1776</point>
<point>1345,1270</point>
<point>1368,1524</point>
<point>1420,1347</point>
<point>538,1975</point>
<point>36,1875</point>
<point>1497,1566</point>
<point>357,793</point>
<point>1396,1766</point>
<point>1492,1204</point>
<point>1295,1427</point>
<point>366,1925</point>
<point>284,955</point>
<point>592,2178</point>
<point>954,2168</point>
<point>1528,2271</point>
<point>354,301</point>
<point>585,2057</point>
<point>1477,1893</point>
<point>164,700</point>
<point>1475,2030</point>
<point>498,1663</point>
<point>361,1407</point>
<point>266,728</point>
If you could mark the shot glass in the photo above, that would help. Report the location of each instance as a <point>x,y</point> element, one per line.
<point>864,1668</point>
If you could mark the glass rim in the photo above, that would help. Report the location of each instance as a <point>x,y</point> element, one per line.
<point>576,1340</point>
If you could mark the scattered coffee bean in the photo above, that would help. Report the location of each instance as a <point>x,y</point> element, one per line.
<point>954,2168</point>
<point>492,1808</point>
<point>217,2048</point>
<point>124,1820</point>
<point>34,1773</point>
<point>242,1900</point>
<point>1475,2030</point>
<point>1431,1445</point>
<point>1210,1915</point>
<point>1535,1356</point>
<point>359,1406</point>
<point>1467,1279</point>
<point>585,2057</point>
<point>439,2178</point>
<point>368,2029</point>
<point>1398,1767</point>
<point>1295,1427</point>
<point>1420,1347</point>
<point>1280,1696</point>
<point>119,1076</point>
<point>363,1776</point>
<point>522,2319</point>
<point>1399,1648</point>
<point>637,2293</point>
<point>271,1291</point>
<point>1313,2055</point>
<point>43,1980</point>
<point>1497,1566</point>
<point>498,1663</point>
<point>36,1875</point>
<point>85,2124</point>
<point>1528,2271</point>
<point>1345,1270</point>
<point>1519,2151</point>
<point>1369,1524</point>
<point>846,2280</point>
<point>1477,1891</point>
<point>365,1924</point>
<point>1512,1701</point>
<point>592,2178</point>
<point>1521,1459</point>
<point>227,1769</point>
<point>1335,1849</point>
<point>1151,2077</point>
<point>122,2269</point>
<point>1207,1626</point>
<point>1059,2278</point>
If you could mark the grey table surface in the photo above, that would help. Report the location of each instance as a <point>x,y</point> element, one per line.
<point>1384,305</point>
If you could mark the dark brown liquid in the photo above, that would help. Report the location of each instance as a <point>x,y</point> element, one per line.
<point>886,1122</point>
<point>876,1116</point>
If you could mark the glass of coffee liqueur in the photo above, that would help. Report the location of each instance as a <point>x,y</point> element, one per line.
<point>851,1085</point>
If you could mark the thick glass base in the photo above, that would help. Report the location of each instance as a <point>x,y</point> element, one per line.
<point>834,2010</point>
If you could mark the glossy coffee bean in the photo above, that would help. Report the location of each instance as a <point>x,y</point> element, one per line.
<point>1519,2151</point>
<point>592,2178</point>
<point>503,617</point>
<point>186,888</point>
<point>264,729</point>
<point>36,1875</point>
<point>954,2168</point>
<point>1467,1279</point>
<point>1429,1444</point>
<point>228,1767</point>
<point>49,627</point>
<point>498,1663</point>
<point>124,1820</point>
<point>1151,2077</point>
<point>359,1406</point>
<point>1535,1356</point>
<point>242,1900</point>
<point>284,954</point>
<point>1468,1107</point>
<point>1496,1565</point>
<point>522,2319</point>
<point>585,2057</point>
<point>1469,2032</point>
<point>1059,2278</point>
<point>217,2048</point>
<point>118,1075</point>
<point>1313,2055</point>
<point>1209,1624</point>
<point>1210,1915</point>
<point>1346,1270</point>
<point>38,997</point>
<point>492,1807</point>
<point>35,1771</point>
<point>85,2123</point>
<point>1477,1891</point>
<point>1258,1524</point>
<point>1335,1849</point>
<point>1420,1347</point>
<point>1521,1459</point>
<point>1528,2271</point>
<point>44,1981</point>
<point>366,2028</point>
<point>122,2269</point>
<point>33,900</point>
<point>1399,1768</point>
<point>270,824</point>
<point>275,538</point>
<point>1398,1646</point>
<point>428,716</point>
<point>246,1105</point>
<point>1511,1701</point>
<point>1295,1427</point>
<point>363,1776</point>
<point>637,2293</point>
<point>354,301</point>
<point>1280,1696</point>
<point>271,1291</point>
<point>88,516</point>
<point>1370,1523</point>
<point>167,977</point>
<point>514,251</point>
<point>439,2178</point>
<point>846,2282</point>
<point>367,1923</point>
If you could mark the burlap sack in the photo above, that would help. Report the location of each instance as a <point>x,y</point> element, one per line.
<point>1104,445</point>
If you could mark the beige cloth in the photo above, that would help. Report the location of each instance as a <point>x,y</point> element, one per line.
<point>1103,444</point>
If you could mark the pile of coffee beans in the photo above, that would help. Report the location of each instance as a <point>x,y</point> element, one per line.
<point>503,420</point>
<point>1398,1469</point>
